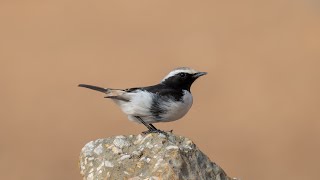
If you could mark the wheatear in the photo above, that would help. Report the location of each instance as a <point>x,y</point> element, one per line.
<point>167,101</point>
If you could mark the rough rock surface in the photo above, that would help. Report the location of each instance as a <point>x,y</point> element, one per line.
<point>152,156</point>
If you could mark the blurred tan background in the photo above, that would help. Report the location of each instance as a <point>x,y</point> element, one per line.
<point>256,113</point>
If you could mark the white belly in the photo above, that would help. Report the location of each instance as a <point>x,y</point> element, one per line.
<point>140,104</point>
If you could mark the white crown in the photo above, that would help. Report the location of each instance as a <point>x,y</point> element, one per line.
<point>180,70</point>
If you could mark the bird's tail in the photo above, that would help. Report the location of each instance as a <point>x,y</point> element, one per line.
<point>116,94</point>
<point>96,88</point>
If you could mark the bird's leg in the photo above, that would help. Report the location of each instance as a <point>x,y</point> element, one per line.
<point>153,127</point>
<point>150,128</point>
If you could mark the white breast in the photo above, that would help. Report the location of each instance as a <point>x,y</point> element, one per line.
<point>176,110</point>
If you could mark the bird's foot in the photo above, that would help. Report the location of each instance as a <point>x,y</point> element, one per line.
<point>156,131</point>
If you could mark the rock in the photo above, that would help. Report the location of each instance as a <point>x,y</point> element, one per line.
<point>142,157</point>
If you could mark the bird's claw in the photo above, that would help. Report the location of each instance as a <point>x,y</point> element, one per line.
<point>157,131</point>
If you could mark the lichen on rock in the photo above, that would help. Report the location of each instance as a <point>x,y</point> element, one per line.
<point>151,156</point>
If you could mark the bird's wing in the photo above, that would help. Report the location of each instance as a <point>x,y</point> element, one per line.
<point>160,90</point>
<point>165,92</point>
<point>120,94</point>
<point>117,94</point>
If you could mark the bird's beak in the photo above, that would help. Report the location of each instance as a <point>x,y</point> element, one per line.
<point>198,74</point>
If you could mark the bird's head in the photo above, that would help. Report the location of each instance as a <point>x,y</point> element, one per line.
<point>182,77</point>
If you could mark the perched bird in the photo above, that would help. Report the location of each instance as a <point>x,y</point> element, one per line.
<point>167,101</point>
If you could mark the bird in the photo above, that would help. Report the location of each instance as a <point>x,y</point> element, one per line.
<point>166,101</point>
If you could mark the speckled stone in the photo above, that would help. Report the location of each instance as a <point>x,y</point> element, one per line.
<point>147,157</point>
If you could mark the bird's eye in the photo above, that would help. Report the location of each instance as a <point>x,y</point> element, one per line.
<point>182,74</point>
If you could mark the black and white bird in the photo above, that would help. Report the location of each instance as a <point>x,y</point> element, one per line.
<point>167,101</point>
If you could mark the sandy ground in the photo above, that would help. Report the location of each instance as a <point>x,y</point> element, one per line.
<point>256,113</point>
